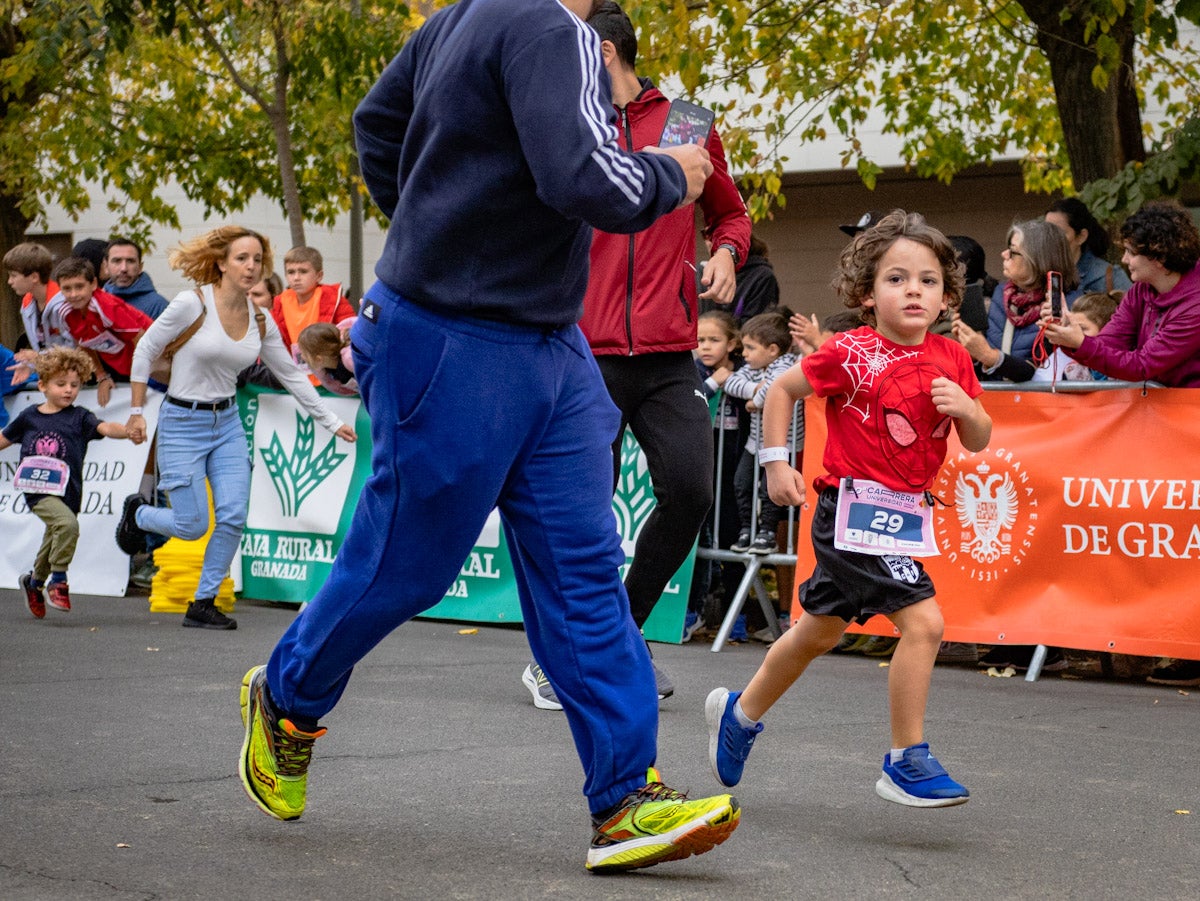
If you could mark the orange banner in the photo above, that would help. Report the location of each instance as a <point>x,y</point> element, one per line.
<point>1078,526</point>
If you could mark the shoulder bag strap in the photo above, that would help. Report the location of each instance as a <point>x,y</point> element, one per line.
<point>183,337</point>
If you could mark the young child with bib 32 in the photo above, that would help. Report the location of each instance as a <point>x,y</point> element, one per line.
<point>892,392</point>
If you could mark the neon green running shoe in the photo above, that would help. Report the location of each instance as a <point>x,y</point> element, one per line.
<point>275,754</point>
<point>656,824</point>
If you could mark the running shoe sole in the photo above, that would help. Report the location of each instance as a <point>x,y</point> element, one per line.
<point>695,837</point>
<point>890,791</point>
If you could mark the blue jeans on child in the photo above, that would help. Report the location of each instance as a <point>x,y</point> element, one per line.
<point>194,445</point>
<point>468,415</point>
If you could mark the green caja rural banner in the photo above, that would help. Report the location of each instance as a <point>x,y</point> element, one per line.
<point>302,496</point>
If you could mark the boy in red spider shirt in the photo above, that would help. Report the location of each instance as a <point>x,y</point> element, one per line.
<point>102,324</point>
<point>893,392</point>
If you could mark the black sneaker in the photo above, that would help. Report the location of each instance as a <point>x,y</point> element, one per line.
<point>203,614</point>
<point>764,543</point>
<point>743,542</point>
<point>999,657</point>
<point>131,538</point>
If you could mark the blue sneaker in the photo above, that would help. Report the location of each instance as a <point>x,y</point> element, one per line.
<point>738,634</point>
<point>729,742</point>
<point>918,780</point>
<point>691,623</point>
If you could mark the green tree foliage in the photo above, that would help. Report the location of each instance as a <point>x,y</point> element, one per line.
<point>266,88</point>
<point>955,83</point>
<point>1174,164</point>
<point>50,70</point>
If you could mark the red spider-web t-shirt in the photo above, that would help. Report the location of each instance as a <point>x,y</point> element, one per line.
<point>882,422</point>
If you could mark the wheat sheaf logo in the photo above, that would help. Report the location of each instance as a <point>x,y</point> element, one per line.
<point>296,475</point>
<point>634,499</point>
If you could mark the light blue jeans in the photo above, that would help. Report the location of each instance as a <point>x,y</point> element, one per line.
<point>193,445</point>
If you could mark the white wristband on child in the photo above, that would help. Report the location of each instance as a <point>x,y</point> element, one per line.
<point>135,411</point>
<point>772,454</point>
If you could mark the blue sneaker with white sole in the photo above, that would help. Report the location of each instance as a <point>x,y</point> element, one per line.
<point>729,742</point>
<point>918,780</point>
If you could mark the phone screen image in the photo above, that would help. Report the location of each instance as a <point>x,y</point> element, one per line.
<point>1054,291</point>
<point>686,123</point>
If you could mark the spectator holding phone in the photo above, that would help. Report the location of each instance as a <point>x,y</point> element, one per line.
<point>1089,244</point>
<point>1034,249</point>
<point>1155,332</point>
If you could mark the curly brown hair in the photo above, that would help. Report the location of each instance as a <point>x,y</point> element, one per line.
<point>1163,230</point>
<point>854,280</point>
<point>58,360</point>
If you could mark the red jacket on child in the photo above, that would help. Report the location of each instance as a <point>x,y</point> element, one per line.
<point>108,326</point>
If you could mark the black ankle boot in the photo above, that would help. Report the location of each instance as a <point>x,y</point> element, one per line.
<point>202,613</point>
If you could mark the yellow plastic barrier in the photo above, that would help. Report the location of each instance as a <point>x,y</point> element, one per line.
<point>179,563</point>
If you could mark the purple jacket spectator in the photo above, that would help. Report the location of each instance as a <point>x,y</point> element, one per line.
<point>1151,336</point>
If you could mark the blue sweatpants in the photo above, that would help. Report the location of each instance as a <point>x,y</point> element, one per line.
<point>468,415</point>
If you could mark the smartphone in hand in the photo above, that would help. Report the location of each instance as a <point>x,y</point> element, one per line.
<point>972,311</point>
<point>687,123</point>
<point>1055,293</point>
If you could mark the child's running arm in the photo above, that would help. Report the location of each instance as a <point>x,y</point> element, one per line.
<point>785,485</point>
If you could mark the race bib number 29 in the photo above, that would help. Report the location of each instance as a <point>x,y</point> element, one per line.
<point>873,519</point>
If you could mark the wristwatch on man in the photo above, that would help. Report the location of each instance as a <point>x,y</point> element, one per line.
<point>732,252</point>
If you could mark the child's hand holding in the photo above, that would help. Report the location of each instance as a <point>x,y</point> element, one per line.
<point>720,374</point>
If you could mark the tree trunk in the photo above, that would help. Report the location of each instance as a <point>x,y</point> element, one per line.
<point>13,224</point>
<point>287,176</point>
<point>1102,129</point>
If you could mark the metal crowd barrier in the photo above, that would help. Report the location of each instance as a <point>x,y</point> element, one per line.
<point>752,580</point>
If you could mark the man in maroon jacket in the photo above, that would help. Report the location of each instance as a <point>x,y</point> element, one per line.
<point>639,316</point>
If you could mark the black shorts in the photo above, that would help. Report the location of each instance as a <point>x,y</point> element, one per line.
<point>854,586</point>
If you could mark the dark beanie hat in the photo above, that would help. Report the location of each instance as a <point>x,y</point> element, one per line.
<point>92,250</point>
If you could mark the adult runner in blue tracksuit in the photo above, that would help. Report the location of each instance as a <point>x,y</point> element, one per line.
<point>489,142</point>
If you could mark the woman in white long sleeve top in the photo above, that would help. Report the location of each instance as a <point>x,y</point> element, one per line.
<point>200,434</point>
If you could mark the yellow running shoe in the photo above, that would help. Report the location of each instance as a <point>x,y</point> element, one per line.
<point>275,754</point>
<point>657,823</point>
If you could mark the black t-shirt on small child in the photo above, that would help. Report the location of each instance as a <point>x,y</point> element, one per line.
<point>64,436</point>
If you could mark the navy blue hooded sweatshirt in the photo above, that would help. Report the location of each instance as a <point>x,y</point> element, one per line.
<point>493,131</point>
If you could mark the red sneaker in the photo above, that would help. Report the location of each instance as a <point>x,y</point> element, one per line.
<point>33,596</point>
<point>58,596</point>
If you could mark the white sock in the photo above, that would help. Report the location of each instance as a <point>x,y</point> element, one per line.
<point>744,721</point>
<point>897,755</point>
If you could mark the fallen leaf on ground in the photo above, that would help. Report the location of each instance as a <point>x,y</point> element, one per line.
<point>468,631</point>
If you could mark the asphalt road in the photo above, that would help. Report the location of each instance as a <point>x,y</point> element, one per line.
<point>439,779</point>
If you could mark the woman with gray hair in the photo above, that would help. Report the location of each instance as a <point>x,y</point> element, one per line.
<point>1033,249</point>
